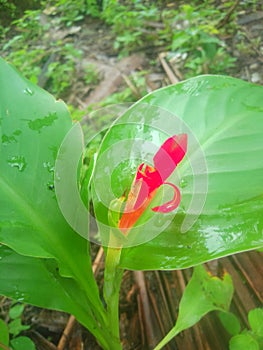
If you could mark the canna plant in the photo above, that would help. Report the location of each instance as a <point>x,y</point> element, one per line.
<point>174,182</point>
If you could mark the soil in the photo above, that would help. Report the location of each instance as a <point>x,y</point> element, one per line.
<point>163,289</point>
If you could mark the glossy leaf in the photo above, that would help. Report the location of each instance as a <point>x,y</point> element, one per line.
<point>33,125</point>
<point>223,119</point>
<point>19,276</point>
<point>204,293</point>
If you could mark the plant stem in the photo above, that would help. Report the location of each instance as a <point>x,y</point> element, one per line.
<point>111,289</point>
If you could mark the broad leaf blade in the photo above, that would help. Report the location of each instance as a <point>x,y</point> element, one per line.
<point>225,115</point>
<point>33,125</point>
<point>222,173</point>
<point>37,281</point>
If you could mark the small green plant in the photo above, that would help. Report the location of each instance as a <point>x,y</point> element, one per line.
<point>7,9</point>
<point>195,37</point>
<point>69,12</point>
<point>91,75</point>
<point>129,24</point>
<point>10,332</point>
<point>247,338</point>
<point>51,63</point>
<point>188,29</point>
<point>61,73</point>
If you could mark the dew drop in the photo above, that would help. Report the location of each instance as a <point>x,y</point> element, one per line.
<point>183,183</point>
<point>49,167</point>
<point>51,186</point>
<point>28,91</point>
<point>17,162</point>
<point>19,296</point>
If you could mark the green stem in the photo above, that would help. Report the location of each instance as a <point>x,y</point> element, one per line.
<point>111,290</point>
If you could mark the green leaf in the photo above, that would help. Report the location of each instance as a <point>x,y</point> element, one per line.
<point>255,318</point>
<point>230,322</point>
<point>19,276</point>
<point>4,334</point>
<point>220,180</point>
<point>243,341</point>
<point>22,343</point>
<point>33,126</point>
<point>204,293</point>
<point>15,327</point>
<point>16,310</point>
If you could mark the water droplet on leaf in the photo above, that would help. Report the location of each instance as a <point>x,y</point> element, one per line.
<point>50,186</point>
<point>17,162</point>
<point>49,167</point>
<point>19,296</point>
<point>28,91</point>
<point>183,183</point>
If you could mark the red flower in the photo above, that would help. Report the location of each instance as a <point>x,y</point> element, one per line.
<point>148,179</point>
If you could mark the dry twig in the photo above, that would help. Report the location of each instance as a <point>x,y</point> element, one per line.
<point>168,70</point>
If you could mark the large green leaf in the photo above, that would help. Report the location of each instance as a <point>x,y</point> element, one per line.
<point>204,293</point>
<point>19,276</point>
<point>220,179</point>
<point>33,125</point>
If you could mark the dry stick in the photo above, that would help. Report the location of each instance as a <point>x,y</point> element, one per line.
<point>228,15</point>
<point>72,320</point>
<point>156,310</point>
<point>140,315</point>
<point>133,88</point>
<point>42,342</point>
<point>145,308</point>
<point>168,70</point>
<point>164,297</point>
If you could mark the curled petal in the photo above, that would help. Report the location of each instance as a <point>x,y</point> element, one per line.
<point>172,204</point>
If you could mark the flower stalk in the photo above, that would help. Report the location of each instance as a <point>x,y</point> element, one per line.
<point>147,181</point>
